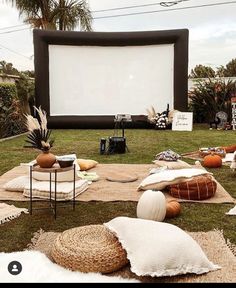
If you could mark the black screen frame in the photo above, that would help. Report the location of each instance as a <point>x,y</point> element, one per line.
<point>43,38</point>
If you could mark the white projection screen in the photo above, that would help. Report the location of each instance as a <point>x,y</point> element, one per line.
<point>110,80</point>
<point>84,79</point>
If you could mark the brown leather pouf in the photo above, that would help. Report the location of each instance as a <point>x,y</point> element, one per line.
<point>92,248</point>
<point>198,188</point>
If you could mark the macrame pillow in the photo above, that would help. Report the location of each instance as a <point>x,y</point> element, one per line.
<point>198,188</point>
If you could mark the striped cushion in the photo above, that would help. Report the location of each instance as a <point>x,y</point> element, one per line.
<point>198,188</point>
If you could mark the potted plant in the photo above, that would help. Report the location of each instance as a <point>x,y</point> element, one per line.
<point>39,138</point>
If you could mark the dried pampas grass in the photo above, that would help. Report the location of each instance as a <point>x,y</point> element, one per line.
<point>151,114</point>
<point>39,134</point>
<point>43,117</point>
<point>32,123</point>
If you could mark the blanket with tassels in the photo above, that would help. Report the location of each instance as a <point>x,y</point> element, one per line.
<point>9,212</point>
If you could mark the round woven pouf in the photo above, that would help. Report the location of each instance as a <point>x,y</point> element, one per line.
<point>92,248</point>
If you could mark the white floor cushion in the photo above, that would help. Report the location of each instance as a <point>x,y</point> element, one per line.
<point>17,184</point>
<point>159,181</point>
<point>41,189</point>
<point>159,249</point>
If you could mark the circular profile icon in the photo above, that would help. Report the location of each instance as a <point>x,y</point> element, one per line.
<point>14,268</point>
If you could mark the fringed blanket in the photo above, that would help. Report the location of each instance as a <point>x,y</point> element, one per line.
<point>9,212</point>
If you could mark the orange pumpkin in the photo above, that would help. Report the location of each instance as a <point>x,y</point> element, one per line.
<point>230,149</point>
<point>173,208</point>
<point>212,161</point>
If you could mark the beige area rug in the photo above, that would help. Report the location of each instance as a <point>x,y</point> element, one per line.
<point>212,243</point>
<point>104,190</point>
<point>9,212</point>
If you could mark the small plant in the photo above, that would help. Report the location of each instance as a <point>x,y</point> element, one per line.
<point>39,134</point>
<point>209,97</point>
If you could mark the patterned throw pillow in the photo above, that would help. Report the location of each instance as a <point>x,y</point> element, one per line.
<point>198,188</point>
<point>167,155</point>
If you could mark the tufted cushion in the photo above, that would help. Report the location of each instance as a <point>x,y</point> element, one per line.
<point>198,188</point>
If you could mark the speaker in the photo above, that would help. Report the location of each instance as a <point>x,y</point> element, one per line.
<point>116,145</point>
<point>103,146</point>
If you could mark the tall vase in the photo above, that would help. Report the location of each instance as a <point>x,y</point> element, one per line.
<point>46,159</point>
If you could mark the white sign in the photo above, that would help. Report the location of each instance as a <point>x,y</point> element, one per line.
<point>182,121</point>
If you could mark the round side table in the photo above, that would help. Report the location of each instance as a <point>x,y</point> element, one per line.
<point>54,170</point>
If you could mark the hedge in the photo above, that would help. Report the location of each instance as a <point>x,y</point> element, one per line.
<point>11,116</point>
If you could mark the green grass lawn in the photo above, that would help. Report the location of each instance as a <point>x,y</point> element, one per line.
<point>143,146</point>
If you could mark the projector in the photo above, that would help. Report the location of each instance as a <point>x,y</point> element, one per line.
<point>123,117</point>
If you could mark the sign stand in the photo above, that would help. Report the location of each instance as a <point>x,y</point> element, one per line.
<point>182,121</point>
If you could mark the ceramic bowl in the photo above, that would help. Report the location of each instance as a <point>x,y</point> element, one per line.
<point>65,162</point>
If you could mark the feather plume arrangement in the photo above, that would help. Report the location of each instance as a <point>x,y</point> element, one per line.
<point>39,134</point>
<point>151,115</point>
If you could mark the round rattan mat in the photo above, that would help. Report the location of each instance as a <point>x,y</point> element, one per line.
<point>121,177</point>
<point>92,248</point>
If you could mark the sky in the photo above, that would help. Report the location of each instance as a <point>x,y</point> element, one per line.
<point>212,29</point>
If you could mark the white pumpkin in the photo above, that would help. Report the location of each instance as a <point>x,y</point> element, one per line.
<point>152,206</point>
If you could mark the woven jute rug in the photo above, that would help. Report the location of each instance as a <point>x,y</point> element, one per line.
<point>104,190</point>
<point>218,251</point>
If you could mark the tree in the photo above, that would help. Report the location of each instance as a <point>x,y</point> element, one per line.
<point>230,69</point>
<point>29,73</point>
<point>25,92</point>
<point>201,71</point>
<point>55,14</point>
<point>220,71</point>
<point>7,68</point>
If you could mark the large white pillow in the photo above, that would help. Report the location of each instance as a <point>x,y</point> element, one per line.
<point>159,249</point>
<point>159,181</point>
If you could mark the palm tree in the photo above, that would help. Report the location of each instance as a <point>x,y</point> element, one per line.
<point>70,13</point>
<point>55,14</point>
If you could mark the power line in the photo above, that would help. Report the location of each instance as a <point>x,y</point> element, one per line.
<point>15,52</point>
<point>139,6</point>
<point>171,3</point>
<point>7,32</point>
<point>165,10</point>
<point>9,27</point>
